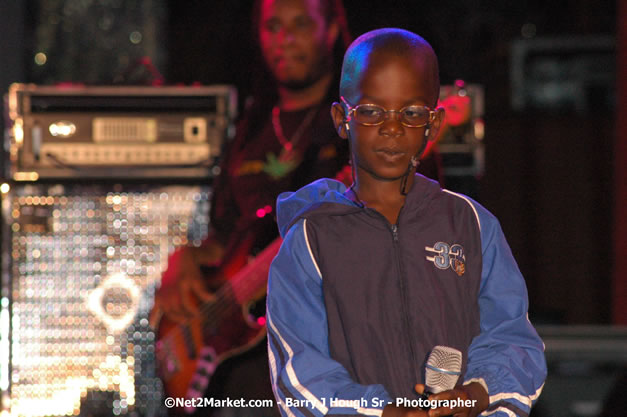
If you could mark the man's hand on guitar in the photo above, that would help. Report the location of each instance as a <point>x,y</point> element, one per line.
<point>189,349</point>
<point>183,285</point>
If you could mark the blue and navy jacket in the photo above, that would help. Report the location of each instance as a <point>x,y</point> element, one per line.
<point>355,304</point>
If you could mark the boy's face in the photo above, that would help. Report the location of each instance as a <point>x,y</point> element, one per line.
<point>392,82</point>
<point>296,41</point>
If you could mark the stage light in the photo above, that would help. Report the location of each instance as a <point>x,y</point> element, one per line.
<point>40,58</point>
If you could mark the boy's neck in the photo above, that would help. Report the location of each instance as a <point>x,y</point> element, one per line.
<point>291,100</point>
<point>382,196</point>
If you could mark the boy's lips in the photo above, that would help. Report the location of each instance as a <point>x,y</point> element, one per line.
<point>389,150</point>
<point>390,154</point>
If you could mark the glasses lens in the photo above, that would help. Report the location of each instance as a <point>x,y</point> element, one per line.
<point>415,115</point>
<point>369,114</point>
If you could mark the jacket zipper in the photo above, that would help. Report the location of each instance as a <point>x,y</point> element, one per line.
<point>404,301</point>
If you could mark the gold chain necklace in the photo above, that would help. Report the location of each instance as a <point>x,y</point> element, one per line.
<point>288,144</point>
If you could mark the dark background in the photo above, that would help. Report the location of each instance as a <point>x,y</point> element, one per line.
<point>549,170</point>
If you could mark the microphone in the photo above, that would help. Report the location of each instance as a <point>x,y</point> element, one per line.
<point>442,370</point>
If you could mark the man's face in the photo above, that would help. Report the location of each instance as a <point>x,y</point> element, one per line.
<point>296,41</point>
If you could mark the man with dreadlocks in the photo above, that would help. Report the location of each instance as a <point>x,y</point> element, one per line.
<point>284,140</point>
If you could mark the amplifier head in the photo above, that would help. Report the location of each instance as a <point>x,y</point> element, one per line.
<point>121,132</point>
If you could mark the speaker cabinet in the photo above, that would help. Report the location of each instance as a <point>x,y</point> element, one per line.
<point>81,264</point>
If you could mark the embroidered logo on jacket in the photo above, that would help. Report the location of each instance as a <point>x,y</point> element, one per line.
<point>448,256</point>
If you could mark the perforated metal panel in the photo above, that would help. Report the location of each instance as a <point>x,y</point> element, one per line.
<point>80,268</point>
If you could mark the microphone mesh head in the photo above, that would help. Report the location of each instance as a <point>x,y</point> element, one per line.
<point>443,369</point>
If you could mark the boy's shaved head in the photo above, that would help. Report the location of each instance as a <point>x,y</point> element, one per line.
<point>396,42</point>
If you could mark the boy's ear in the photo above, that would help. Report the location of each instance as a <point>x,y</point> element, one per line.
<point>436,124</point>
<point>339,121</point>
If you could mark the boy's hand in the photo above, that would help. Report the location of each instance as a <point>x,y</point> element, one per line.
<point>473,392</point>
<point>394,411</point>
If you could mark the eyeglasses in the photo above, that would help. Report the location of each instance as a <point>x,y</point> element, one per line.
<point>373,115</point>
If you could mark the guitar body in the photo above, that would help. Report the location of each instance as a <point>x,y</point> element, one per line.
<point>188,353</point>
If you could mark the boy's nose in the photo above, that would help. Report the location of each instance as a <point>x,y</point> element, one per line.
<point>392,125</point>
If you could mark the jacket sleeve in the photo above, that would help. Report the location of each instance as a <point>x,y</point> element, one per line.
<point>305,380</point>
<point>507,357</point>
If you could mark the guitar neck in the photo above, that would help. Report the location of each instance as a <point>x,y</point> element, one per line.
<point>254,276</point>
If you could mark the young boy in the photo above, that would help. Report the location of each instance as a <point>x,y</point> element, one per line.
<point>370,278</point>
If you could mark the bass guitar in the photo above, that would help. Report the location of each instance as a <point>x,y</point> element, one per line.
<point>189,352</point>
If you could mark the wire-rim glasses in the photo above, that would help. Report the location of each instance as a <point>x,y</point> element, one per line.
<point>374,115</point>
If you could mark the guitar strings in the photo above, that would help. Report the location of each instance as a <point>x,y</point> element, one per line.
<point>224,303</point>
